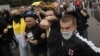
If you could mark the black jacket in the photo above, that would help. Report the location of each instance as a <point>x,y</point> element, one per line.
<point>37,31</point>
<point>5,38</point>
<point>78,44</point>
<point>80,19</point>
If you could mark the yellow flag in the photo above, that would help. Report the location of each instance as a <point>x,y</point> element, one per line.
<point>19,27</point>
<point>23,25</point>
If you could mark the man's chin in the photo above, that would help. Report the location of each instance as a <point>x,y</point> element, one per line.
<point>29,26</point>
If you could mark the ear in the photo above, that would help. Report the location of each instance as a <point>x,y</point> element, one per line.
<point>75,27</point>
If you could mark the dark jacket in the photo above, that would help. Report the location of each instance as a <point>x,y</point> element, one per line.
<point>78,44</point>
<point>5,38</point>
<point>37,31</point>
<point>80,19</point>
<point>54,41</point>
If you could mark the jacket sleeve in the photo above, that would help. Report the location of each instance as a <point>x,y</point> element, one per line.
<point>87,48</point>
<point>88,51</point>
<point>87,16</point>
<point>42,40</point>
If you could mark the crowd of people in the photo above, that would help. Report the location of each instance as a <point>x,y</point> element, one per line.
<point>57,28</point>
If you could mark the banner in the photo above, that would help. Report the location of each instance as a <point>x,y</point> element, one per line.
<point>7,7</point>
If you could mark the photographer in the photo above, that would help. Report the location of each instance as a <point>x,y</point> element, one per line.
<point>81,17</point>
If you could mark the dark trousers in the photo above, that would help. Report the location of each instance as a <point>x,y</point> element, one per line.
<point>39,54</point>
<point>84,33</point>
<point>5,50</point>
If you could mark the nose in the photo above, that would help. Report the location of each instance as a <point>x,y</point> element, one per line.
<point>64,30</point>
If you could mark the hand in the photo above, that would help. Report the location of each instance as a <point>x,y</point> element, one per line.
<point>98,23</point>
<point>24,34</point>
<point>44,24</point>
<point>84,13</point>
<point>43,35</point>
<point>5,30</point>
<point>38,13</point>
<point>55,4</point>
<point>35,42</point>
<point>27,40</point>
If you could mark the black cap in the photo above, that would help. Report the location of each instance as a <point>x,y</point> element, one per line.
<point>31,14</point>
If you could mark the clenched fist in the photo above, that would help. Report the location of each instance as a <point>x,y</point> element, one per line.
<point>44,24</point>
<point>5,30</point>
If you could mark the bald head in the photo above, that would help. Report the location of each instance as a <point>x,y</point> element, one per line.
<point>30,22</point>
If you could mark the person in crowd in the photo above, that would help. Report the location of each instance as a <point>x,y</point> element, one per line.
<point>57,10</point>
<point>84,17</point>
<point>35,35</point>
<point>19,25</point>
<point>65,40</point>
<point>6,15</point>
<point>23,10</point>
<point>40,13</point>
<point>50,13</point>
<point>81,18</point>
<point>96,12</point>
<point>5,38</point>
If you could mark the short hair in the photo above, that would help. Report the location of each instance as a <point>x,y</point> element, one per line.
<point>67,18</point>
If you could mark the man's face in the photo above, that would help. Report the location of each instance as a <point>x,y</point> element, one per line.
<point>22,9</point>
<point>67,26</point>
<point>30,22</point>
